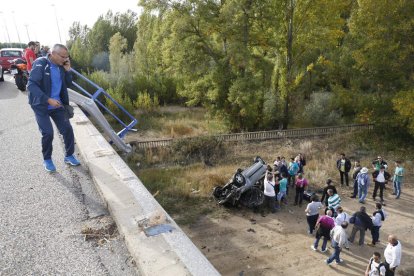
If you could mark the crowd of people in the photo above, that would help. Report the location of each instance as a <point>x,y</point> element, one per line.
<point>332,225</point>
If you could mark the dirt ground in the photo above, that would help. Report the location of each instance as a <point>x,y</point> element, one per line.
<point>241,242</point>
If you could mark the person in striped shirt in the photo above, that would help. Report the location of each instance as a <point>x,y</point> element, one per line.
<point>334,201</point>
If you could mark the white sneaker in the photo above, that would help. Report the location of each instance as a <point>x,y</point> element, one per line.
<point>313,248</point>
<point>340,261</point>
<point>323,251</point>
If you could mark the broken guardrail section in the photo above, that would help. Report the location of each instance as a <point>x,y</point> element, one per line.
<point>91,104</point>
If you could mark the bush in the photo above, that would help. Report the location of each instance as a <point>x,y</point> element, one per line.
<point>145,102</point>
<point>101,78</point>
<point>319,111</point>
<point>205,149</point>
<point>120,96</point>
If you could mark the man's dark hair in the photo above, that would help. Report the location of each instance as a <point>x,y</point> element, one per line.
<point>344,224</point>
<point>31,43</point>
<point>378,205</point>
<point>363,209</point>
<point>314,198</point>
<point>376,253</point>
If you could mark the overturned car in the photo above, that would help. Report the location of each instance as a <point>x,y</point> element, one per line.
<point>245,187</point>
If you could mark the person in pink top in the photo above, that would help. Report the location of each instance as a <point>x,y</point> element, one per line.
<point>301,183</point>
<point>324,225</point>
<point>30,55</point>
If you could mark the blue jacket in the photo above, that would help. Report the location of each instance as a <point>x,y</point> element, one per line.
<point>40,86</point>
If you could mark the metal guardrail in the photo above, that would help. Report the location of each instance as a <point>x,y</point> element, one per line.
<point>264,135</point>
<point>100,91</point>
<point>95,111</point>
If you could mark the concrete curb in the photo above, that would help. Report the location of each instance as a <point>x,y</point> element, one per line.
<point>135,210</point>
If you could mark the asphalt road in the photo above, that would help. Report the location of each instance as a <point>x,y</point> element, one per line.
<point>42,214</point>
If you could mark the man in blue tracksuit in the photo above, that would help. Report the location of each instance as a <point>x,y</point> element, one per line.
<point>48,82</point>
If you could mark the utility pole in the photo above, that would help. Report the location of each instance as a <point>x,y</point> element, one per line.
<point>17,31</point>
<point>7,30</point>
<point>27,32</point>
<point>57,23</point>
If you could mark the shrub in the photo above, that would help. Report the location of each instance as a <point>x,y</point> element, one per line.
<point>101,78</point>
<point>319,111</point>
<point>204,149</point>
<point>120,96</point>
<point>145,102</point>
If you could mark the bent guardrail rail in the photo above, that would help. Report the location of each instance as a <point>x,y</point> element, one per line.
<point>89,106</point>
<point>90,103</point>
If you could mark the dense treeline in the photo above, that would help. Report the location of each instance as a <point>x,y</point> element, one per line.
<point>12,45</point>
<point>259,64</point>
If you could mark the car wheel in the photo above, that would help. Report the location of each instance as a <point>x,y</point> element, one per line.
<point>259,159</point>
<point>20,83</point>
<point>239,179</point>
<point>217,192</point>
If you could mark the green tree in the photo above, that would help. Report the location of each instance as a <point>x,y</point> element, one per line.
<point>382,39</point>
<point>117,45</point>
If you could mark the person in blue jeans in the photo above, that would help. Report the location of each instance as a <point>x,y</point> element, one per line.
<point>397,179</point>
<point>324,226</point>
<point>363,184</point>
<point>339,240</point>
<point>48,93</point>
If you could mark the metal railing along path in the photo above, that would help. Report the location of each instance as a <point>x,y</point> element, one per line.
<point>263,135</point>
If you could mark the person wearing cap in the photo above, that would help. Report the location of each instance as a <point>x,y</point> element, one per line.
<point>380,177</point>
<point>397,179</point>
<point>377,163</point>
<point>363,184</point>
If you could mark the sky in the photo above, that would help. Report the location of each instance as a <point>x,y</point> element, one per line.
<point>38,20</point>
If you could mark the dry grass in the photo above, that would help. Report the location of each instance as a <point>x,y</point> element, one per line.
<point>186,191</point>
<point>181,187</point>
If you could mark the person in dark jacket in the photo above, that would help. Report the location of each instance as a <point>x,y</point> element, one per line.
<point>47,85</point>
<point>362,221</point>
<point>283,169</point>
<point>381,177</point>
<point>377,163</point>
<point>344,166</point>
<point>302,162</point>
<point>325,195</point>
<point>355,172</point>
